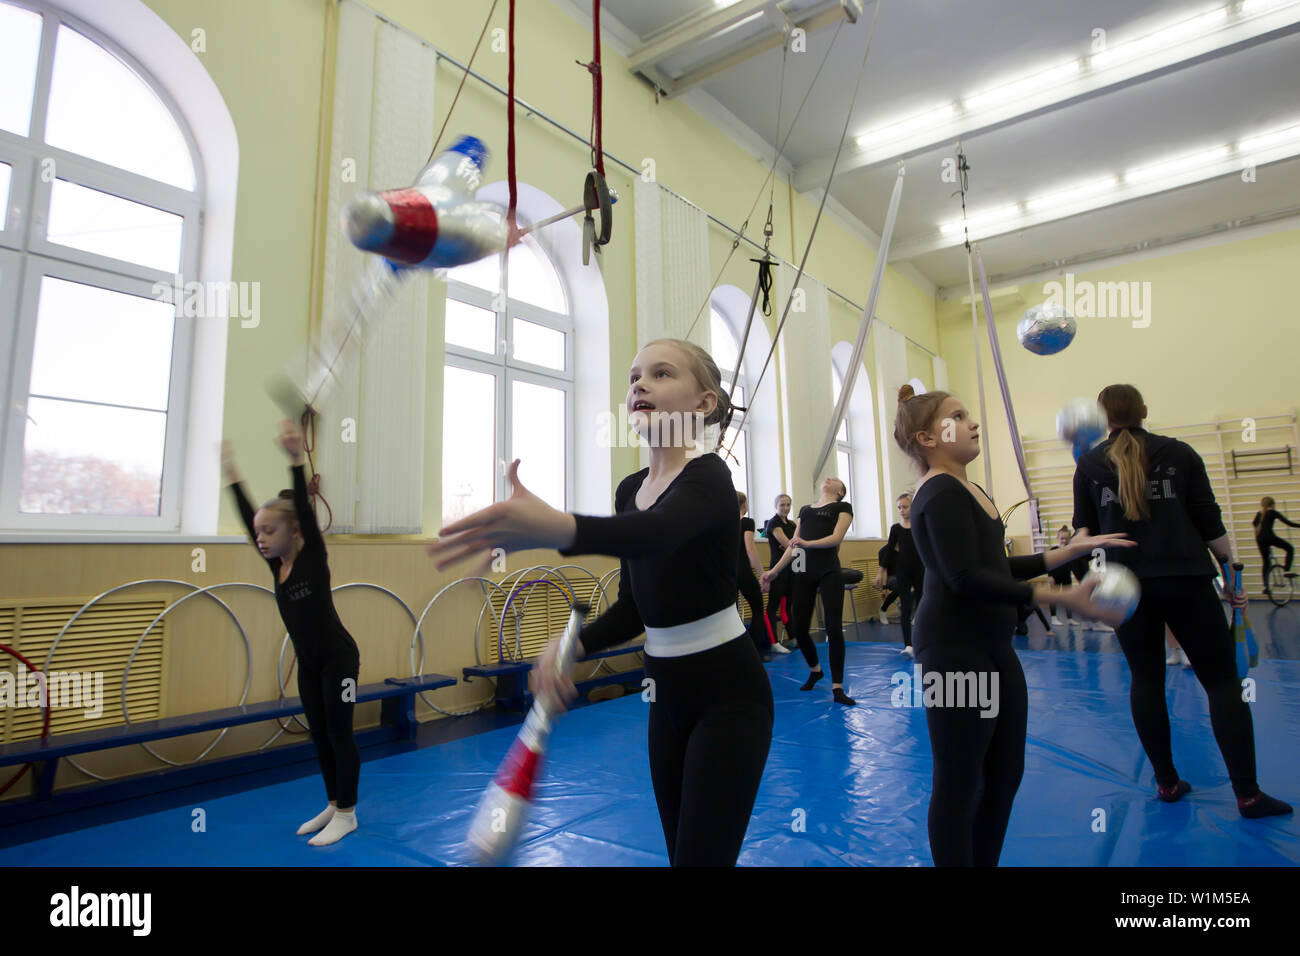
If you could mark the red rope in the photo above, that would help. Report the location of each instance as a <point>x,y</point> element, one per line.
<point>510,135</point>
<point>45,727</point>
<point>597,91</point>
<point>313,482</point>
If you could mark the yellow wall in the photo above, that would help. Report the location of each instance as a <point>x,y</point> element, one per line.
<point>1222,342</point>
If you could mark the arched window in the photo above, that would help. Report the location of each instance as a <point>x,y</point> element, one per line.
<point>726,353</point>
<point>509,386</point>
<point>843,443</point>
<point>855,446</point>
<point>101,196</point>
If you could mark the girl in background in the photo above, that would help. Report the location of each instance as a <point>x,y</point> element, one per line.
<point>329,662</point>
<point>1156,489</point>
<point>814,555</point>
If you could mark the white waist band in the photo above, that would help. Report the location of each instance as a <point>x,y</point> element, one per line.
<point>695,636</point>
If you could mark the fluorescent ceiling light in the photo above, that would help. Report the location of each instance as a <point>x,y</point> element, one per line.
<point>1277,137</point>
<point>1160,40</point>
<point>1172,167</point>
<point>981,220</point>
<point>1252,7</point>
<point>915,124</point>
<point>1072,194</point>
<point>1019,89</point>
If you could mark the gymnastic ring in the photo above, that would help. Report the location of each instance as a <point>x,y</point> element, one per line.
<point>567,588</point>
<point>595,198</point>
<point>45,723</point>
<point>518,575</point>
<point>595,604</point>
<point>86,607</point>
<point>279,682</point>
<point>600,663</point>
<point>419,671</point>
<point>603,588</point>
<point>248,660</point>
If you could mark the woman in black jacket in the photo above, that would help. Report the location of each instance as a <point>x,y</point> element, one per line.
<point>1155,489</point>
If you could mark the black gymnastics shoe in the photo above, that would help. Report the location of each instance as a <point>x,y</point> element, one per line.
<point>1262,805</point>
<point>1175,793</point>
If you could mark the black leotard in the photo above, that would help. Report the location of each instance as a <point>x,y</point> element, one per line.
<point>678,556</point>
<point>964,626</point>
<point>1264,522</point>
<point>774,547</point>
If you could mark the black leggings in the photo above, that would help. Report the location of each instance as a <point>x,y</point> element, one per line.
<point>1191,608</point>
<point>908,593</point>
<point>1265,548</point>
<point>753,595</point>
<point>329,718</point>
<point>804,586</point>
<point>710,729</point>
<point>779,588</point>
<point>978,760</point>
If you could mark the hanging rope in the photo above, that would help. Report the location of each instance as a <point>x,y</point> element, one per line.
<point>963,184</point>
<point>469,66</point>
<point>770,178</point>
<point>512,224</point>
<point>308,423</point>
<point>597,94</point>
<point>803,261</point>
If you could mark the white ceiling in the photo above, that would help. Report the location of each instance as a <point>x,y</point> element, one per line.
<point>931,52</point>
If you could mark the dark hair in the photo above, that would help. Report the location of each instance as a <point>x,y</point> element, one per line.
<point>1127,453</point>
<point>916,413</point>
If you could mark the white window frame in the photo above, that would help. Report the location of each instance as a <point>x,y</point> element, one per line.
<point>28,215</point>
<point>845,445</point>
<point>506,369</point>
<point>34,268</point>
<point>741,382</point>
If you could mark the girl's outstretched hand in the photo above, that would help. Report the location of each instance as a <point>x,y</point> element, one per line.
<point>290,438</point>
<point>520,522</point>
<point>228,467</point>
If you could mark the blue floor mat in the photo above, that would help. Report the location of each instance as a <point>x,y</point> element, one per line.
<point>843,786</point>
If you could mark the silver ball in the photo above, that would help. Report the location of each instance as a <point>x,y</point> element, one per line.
<point>1046,329</point>
<point>1118,589</point>
<point>1082,423</point>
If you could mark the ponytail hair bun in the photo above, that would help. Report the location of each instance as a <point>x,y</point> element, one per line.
<point>286,494</point>
<point>906,392</point>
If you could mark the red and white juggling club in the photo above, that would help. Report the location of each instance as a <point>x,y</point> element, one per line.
<point>503,808</point>
<point>435,224</point>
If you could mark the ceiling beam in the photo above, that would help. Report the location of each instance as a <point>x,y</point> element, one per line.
<point>815,19</point>
<point>1234,36</point>
<point>692,32</point>
<point>647,59</point>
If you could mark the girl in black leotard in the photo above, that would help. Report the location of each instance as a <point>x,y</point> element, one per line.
<point>678,534</point>
<point>1156,489</point>
<point>748,566</point>
<point>288,537</point>
<point>963,630</point>
<point>814,556</point>
<point>778,531</point>
<point>904,575</point>
<point>1266,540</point>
